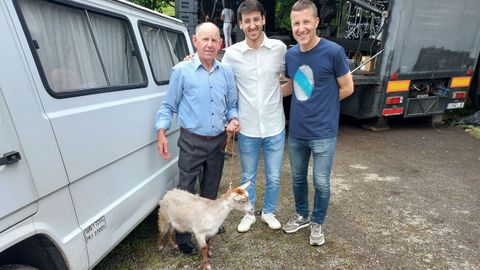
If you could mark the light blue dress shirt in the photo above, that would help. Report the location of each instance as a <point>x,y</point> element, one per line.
<point>203,100</point>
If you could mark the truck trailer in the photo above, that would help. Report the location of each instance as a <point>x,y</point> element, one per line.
<point>408,58</point>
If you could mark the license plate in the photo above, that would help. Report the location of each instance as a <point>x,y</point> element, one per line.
<point>455,105</point>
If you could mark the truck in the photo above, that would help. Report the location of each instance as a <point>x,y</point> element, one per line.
<point>408,58</point>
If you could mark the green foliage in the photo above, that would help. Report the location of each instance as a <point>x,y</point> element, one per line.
<point>282,14</point>
<point>157,5</point>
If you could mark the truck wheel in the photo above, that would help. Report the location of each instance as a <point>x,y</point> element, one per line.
<point>17,267</point>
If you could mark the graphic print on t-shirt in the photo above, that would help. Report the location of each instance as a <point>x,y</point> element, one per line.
<point>303,83</point>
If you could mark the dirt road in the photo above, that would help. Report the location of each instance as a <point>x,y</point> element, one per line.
<point>405,198</point>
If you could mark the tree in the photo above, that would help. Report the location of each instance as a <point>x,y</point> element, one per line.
<point>157,5</point>
<point>282,14</point>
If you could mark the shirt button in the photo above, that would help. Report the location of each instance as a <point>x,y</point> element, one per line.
<point>212,113</point>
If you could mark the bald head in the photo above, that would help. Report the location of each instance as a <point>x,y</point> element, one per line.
<point>207,27</point>
<point>207,41</point>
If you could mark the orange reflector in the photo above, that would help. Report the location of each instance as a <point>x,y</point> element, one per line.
<point>460,82</point>
<point>392,111</point>
<point>393,100</point>
<point>459,95</point>
<point>398,86</point>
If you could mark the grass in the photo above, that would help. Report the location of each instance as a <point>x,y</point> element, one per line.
<point>473,130</point>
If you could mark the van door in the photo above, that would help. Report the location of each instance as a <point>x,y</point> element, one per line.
<point>94,90</point>
<point>16,187</point>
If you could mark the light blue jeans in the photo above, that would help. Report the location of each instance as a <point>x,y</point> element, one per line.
<point>273,148</point>
<point>323,152</point>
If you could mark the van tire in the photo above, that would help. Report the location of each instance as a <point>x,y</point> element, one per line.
<point>17,267</point>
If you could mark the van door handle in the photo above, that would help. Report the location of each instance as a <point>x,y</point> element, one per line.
<point>9,158</point>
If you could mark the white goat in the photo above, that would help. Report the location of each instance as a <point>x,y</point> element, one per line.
<point>186,212</point>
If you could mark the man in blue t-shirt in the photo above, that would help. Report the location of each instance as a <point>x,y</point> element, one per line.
<point>317,71</point>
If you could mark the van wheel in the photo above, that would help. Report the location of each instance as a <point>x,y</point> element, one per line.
<point>17,267</point>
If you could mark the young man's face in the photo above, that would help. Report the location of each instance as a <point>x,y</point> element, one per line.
<point>252,25</point>
<point>304,25</point>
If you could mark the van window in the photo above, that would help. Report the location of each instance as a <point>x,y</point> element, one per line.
<point>165,48</point>
<point>80,50</point>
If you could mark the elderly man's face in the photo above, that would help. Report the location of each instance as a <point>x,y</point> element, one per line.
<point>207,41</point>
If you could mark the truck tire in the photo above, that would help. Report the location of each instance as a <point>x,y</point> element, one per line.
<point>474,91</point>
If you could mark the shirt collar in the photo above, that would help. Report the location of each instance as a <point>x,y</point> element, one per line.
<point>267,43</point>
<point>197,63</point>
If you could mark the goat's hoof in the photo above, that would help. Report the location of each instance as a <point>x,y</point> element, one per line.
<point>175,247</point>
<point>160,248</point>
<point>206,266</point>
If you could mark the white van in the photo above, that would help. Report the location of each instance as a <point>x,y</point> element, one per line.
<point>80,84</point>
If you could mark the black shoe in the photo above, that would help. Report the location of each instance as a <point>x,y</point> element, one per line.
<point>221,230</point>
<point>188,248</point>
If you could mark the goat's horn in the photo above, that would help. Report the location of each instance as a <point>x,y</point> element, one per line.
<point>244,186</point>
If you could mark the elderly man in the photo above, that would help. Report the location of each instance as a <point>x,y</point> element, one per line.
<point>203,94</point>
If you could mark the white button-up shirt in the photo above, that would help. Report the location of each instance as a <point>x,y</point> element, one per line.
<point>257,74</point>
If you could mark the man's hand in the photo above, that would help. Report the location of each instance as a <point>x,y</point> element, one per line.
<point>287,88</point>
<point>162,144</point>
<point>188,57</point>
<point>233,125</point>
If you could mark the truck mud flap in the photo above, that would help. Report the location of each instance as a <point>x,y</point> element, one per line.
<point>425,106</point>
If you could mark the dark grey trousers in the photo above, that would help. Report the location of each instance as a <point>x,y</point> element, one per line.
<point>203,159</point>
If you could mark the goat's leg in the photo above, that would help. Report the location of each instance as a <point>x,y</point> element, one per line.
<point>161,239</point>
<point>202,243</point>
<point>205,264</point>
<point>171,238</point>
<point>209,250</point>
<point>163,227</point>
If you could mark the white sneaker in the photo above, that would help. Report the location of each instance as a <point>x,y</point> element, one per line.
<point>272,222</point>
<point>246,223</point>
<point>316,234</point>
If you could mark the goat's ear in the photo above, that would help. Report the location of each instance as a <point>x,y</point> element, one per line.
<point>244,186</point>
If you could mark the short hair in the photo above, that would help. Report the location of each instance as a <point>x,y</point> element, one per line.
<point>305,4</point>
<point>197,29</point>
<point>248,6</point>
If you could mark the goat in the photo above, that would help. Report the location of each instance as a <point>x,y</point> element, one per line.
<point>186,212</point>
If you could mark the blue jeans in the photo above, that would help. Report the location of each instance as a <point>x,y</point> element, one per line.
<point>323,152</point>
<point>273,148</point>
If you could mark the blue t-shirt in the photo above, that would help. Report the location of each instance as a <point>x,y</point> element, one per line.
<point>315,107</point>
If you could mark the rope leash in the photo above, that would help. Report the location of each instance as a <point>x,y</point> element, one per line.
<point>231,162</point>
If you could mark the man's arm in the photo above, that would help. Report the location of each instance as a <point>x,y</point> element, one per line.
<point>232,102</point>
<point>287,88</point>
<point>165,114</point>
<point>345,85</point>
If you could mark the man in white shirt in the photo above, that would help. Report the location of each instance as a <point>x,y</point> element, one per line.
<point>257,63</point>
<point>227,17</point>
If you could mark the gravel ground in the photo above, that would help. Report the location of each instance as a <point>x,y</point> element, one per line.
<point>405,198</point>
